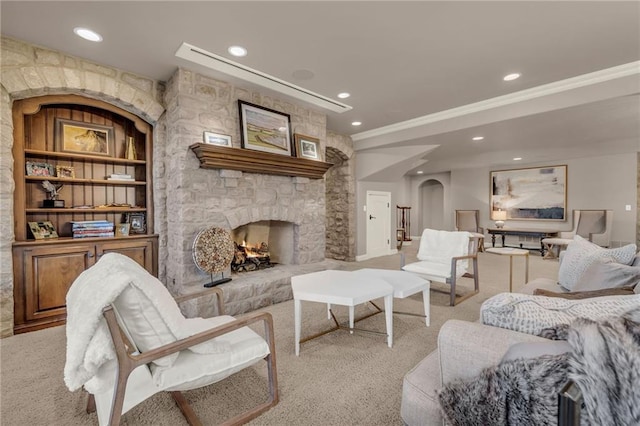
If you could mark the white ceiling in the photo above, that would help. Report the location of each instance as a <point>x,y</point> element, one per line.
<point>399,60</point>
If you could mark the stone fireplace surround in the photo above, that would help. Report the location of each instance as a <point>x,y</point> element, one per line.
<point>186,198</point>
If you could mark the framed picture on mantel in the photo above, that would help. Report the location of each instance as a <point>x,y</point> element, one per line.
<point>263,129</point>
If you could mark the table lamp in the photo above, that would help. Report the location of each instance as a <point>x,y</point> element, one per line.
<point>500,216</point>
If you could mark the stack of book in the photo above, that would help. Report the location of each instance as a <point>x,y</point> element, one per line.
<point>118,176</point>
<point>92,228</point>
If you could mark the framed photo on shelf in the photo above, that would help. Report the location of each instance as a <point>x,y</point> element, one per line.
<point>307,147</point>
<point>122,229</point>
<point>83,138</point>
<point>35,168</point>
<point>263,129</point>
<point>137,222</point>
<point>43,230</point>
<point>534,193</point>
<point>217,139</point>
<point>65,172</point>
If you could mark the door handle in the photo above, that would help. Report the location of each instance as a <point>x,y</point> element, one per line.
<point>371,217</point>
<point>89,254</point>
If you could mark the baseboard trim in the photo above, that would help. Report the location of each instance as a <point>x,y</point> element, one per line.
<point>368,256</point>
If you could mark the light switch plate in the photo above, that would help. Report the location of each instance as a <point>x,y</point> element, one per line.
<point>628,207</point>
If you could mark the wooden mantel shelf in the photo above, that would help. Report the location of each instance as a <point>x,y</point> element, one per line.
<point>222,157</point>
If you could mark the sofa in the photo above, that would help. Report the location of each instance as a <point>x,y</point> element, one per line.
<point>464,350</point>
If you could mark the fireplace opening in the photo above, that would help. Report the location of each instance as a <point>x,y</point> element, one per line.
<point>261,245</point>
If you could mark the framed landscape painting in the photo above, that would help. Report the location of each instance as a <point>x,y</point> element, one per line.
<point>83,138</point>
<point>538,193</point>
<point>264,129</point>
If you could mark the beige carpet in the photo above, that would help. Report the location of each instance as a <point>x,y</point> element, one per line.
<point>338,379</point>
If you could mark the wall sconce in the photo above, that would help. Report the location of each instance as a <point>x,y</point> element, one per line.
<point>500,216</point>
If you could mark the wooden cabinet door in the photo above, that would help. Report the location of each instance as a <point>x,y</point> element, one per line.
<point>142,251</point>
<point>49,272</point>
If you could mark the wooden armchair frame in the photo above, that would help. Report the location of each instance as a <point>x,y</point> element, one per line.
<point>128,360</point>
<point>473,255</point>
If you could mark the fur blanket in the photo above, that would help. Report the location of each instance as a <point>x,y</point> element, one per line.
<point>604,363</point>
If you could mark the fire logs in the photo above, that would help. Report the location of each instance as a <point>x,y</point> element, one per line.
<point>248,258</point>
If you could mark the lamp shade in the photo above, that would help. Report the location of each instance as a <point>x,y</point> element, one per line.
<point>500,215</point>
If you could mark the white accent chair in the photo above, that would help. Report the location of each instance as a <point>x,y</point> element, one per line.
<point>469,220</point>
<point>594,225</point>
<point>444,257</point>
<point>151,359</point>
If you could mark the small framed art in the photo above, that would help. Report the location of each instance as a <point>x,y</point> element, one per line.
<point>43,230</point>
<point>217,139</point>
<point>35,168</point>
<point>137,222</point>
<point>84,138</point>
<point>307,147</point>
<point>65,172</point>
<point>122,229</point>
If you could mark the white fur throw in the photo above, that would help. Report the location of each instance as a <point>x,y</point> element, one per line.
<point>89,344</point>
<point>532,314</point>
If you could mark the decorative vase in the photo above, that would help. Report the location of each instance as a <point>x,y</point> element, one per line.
<point>130,150</point>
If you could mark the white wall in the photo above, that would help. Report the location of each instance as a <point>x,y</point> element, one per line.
<point>605,182</point>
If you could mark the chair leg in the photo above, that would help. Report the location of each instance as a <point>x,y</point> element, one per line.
<point>476,279</point>
<point>452,301</point>
<point>91,404</point>
<point>186,409</point>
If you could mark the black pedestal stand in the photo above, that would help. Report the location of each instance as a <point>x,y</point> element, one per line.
<point>217,282</point>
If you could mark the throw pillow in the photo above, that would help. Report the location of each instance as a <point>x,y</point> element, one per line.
<point>535,349</point>
<point>581,254</point>
<point>619,291</point>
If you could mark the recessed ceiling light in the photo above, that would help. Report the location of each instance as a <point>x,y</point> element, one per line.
<point>419,172</point>
<point>477,138</point>
<point>510,77</point>
<point>517,158</point>
<point>356,123</point>
<point>237,51</point>
<point>344,95</point>
<point>87,34</point>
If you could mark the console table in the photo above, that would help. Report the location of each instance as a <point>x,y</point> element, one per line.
<point>538,233</point>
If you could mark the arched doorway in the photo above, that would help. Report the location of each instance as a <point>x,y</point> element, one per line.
<point>431,194</point>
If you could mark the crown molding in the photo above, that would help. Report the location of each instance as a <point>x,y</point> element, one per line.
<point>608,74</point>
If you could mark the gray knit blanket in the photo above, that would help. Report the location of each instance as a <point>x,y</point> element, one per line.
<point>604,363</point>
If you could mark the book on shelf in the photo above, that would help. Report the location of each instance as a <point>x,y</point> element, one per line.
<point>91,226</point>
<point>93,234</point>
<point>121,178</point>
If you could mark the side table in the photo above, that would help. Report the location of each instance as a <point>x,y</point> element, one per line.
<point>508,251</point>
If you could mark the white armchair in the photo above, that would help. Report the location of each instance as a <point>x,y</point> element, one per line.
<point>127,340</point>
<point>444,257</point>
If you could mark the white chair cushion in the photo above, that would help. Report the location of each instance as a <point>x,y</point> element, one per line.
<point>146,325</point>
<point>581,253</point>
<point>151,318</point>
<point>433,271</point>
<point>192,370</point>
<point>440,246</point>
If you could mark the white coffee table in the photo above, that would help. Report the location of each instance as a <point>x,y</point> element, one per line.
<point>404,284</point>
<point>340,288</point>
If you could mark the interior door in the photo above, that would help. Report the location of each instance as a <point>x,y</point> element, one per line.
<point>378,216</point>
